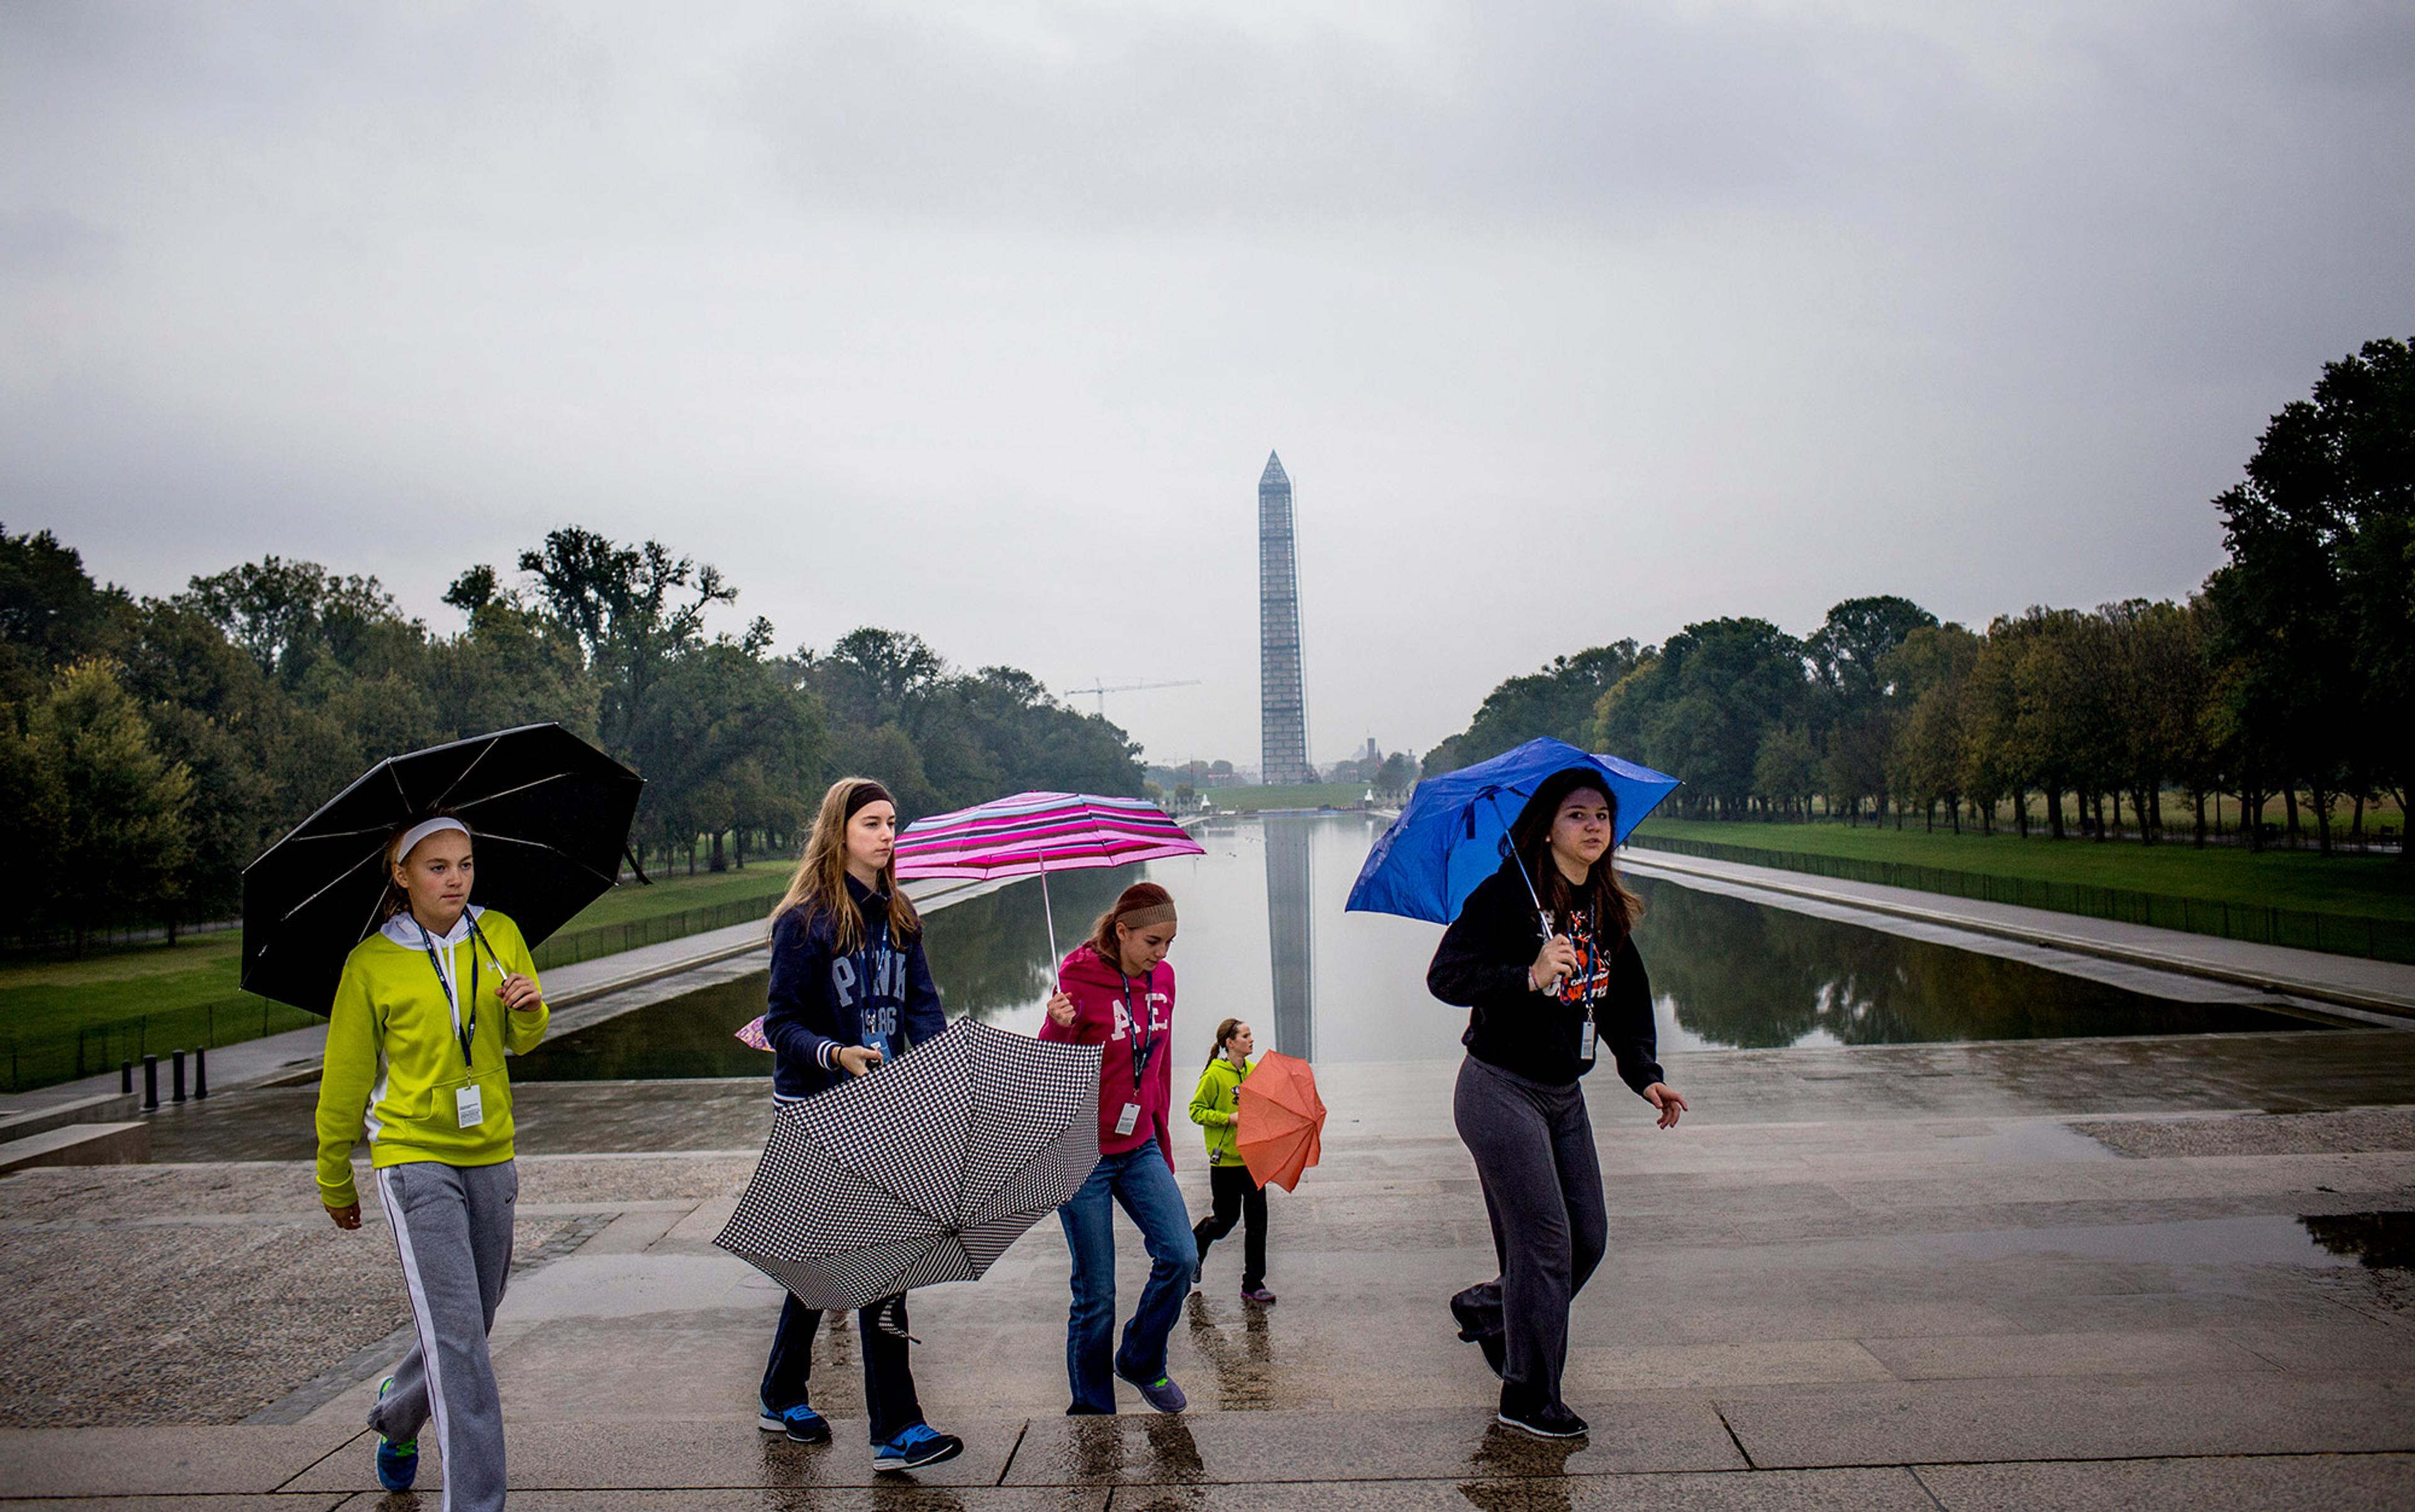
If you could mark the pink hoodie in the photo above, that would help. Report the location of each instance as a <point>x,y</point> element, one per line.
<point>1100,994</point>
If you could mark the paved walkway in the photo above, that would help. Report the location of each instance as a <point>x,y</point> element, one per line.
<point>2342,981</point>
<point>2137,1273</point>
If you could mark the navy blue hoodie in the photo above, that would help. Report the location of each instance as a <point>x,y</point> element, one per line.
<point>822,999</point>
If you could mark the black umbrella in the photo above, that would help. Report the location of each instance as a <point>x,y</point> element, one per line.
<point>550,813</point>
<point>922,1171</point>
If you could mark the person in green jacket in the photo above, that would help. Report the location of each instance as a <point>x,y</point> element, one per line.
<point>1217,1107</point>
<point>427,1008</point>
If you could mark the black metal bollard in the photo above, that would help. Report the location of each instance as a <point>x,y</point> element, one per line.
<point>176,1076</point>
<point>125,1077</point>
<point>150,1083</point>
<point>200,1072</point>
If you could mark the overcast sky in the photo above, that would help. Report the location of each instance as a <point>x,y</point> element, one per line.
<point>1570,321</point>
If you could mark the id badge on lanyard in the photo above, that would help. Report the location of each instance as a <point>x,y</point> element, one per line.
<point>469,1103</point>
<point>1143,1048</point>
<point>1589,1033</point>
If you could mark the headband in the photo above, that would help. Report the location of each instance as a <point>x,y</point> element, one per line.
<point>866,792</point>
<point>420,831</point>
<point>1158,913</point>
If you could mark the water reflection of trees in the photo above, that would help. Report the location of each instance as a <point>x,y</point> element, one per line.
<point>1752,976</point>
<point>987,955</point>
<point>691,1035</point>
<point>990,954</point>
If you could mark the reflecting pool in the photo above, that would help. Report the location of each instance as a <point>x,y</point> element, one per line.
<point>1263,938</point>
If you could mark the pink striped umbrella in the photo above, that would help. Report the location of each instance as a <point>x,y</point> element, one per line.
<point>1035,833</point>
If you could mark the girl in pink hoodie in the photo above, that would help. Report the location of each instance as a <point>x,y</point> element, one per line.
<point>1115,990</point>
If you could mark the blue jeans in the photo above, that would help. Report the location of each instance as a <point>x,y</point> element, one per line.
<point>1140,1180</point>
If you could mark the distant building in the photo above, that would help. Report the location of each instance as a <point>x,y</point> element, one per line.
<point>1283,709</point>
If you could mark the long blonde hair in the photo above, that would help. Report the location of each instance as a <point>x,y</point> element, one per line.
<point>819,884</point>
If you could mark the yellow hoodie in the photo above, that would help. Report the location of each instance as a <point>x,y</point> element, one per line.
<point>392,1049</point>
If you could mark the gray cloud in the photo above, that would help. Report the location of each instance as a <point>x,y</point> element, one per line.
<point>1573,321</point>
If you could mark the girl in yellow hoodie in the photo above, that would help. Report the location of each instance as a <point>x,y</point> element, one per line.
<point>1236,1194</point>
<point>415,1041</point>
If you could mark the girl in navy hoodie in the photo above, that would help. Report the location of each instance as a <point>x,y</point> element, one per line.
<point>849,990</point>
<point>1115,990</point>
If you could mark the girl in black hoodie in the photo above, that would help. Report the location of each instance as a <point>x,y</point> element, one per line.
<point>1549,975</point>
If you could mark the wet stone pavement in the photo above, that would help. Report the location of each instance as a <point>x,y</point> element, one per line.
<point>2135,1273</point>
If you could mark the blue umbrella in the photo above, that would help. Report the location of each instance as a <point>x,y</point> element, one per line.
<point>1456,828</point>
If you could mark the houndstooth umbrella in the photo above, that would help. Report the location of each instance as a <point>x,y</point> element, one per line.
<point>923,1169</point>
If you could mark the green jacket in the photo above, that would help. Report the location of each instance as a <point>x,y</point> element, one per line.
<point>1217,1108</point>
<point>393,1055</point>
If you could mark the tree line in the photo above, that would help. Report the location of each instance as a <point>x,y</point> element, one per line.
<point>2288,674</point>
<point>151,747</point>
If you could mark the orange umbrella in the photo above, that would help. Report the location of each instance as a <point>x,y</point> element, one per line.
<point>1280,1116</point>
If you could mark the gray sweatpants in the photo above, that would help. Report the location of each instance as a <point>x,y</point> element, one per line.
<point>453,1227</point>
<point>1534,1158</point>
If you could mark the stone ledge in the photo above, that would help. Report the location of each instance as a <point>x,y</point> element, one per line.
<point>127,1144</point>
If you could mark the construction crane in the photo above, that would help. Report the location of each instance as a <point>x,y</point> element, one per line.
<point>1105,688</point>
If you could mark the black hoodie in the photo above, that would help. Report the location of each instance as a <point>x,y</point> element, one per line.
<point>1481,966</point>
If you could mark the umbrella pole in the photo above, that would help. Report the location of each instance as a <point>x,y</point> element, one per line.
<point>1509,844</point>
<point>1050,911</point>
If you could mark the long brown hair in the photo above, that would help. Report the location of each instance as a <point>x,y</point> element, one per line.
<point>1601,893</point>
<point>1137,898</point>
<point>820,883</point>
<point>1223,1038</point>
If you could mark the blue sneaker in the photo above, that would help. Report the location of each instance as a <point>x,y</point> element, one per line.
<point>397,1464</point>
<point>918,1445</point>
<point>801,1422</point>
<point>1161,1393</point>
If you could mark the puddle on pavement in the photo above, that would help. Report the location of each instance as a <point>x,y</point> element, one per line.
<point>2381,1241</point>
<point>2186,1245</point>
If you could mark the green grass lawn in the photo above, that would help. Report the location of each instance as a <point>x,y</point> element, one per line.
<point>673,891</point>
<point>2372,886</point>
<point>187,991</point>
<point>1305,796</point>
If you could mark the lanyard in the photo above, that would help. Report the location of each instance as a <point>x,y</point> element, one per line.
<point>1144,1045</point>
<point>468,1035</point>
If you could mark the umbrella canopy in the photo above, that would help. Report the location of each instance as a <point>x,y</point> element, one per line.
<point>1449,838</point>
<point>549,811</point>
<point>1035,833</point>
<point>1281,1117</point>
<point>923,1170</point>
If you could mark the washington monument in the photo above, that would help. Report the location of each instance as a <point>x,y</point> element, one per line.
<point>1283,712</point>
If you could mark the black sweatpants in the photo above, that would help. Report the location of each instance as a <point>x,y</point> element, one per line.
<point>1534,1158</point>
<point>1237,1196</point>
<point>888,1373</point>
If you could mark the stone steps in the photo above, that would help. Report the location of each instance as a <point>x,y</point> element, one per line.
<point>99,1108</point>
<point>113,1143</point>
